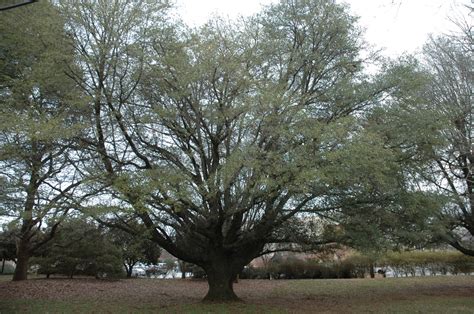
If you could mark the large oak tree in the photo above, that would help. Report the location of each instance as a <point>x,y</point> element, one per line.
<point>224,138</point>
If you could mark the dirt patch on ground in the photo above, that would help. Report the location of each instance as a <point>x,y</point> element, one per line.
<point>164,292</point>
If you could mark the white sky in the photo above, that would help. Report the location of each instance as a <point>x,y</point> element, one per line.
<point>394,25</point>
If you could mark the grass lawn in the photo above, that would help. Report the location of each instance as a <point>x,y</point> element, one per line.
<point>439,294</point>
<point>5,277</point>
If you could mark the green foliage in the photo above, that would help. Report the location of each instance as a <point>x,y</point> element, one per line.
<point>427,122</point>
<point>41,113</point>
<point>7,245</point>
<point>198,272</point>
<point>135,246</point>
<point>241,123</point>
<point>391,151</point>
<point>251,272</point>
<point>449,60</point>
<point>220,139</point>
<point>80,248</point>
<point>436,262</point>
<point>41,102</point>
<point>303,269</point>
<point>359,266</point>
<point>8,269</point>
<point>402,220</point>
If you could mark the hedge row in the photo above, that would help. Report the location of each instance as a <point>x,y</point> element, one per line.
<point>360,266</point>
<point>425,262</point>
<point>300,269</point>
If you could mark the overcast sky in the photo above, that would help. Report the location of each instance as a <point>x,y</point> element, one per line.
<point>395,25</point>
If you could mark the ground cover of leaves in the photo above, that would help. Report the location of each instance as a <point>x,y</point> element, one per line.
<point>441,294</point>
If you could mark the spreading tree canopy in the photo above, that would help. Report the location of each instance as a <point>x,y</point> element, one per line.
<point>224,138</point>
<point>228,140</point>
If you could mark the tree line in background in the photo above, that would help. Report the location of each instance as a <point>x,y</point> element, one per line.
<point>82,247</point>
<point>229,141</point>
<point>356,265</point>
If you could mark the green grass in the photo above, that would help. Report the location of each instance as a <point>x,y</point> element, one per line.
<point>54,306</point>
<point>426,305</point>
<point>5,277</point>
<point>391,295</point>
<point>8,277</point>
<point>355,287</point>
<point>223,308</point>
<point>84,306</point>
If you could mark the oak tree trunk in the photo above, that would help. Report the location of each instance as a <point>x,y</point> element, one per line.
<point>221,273</point>
<point>21,269</point>
<point>220,280</point>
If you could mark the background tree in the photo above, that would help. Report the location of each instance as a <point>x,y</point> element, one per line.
<point>39,115</point>
<point>428,120</point>
<point>184,268</point>
<point>407,125</point>
<point>7,248</point>
<point>450,60</point>
<point>135,246</point>
<point>80,248</point>
<point>218,138</point>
